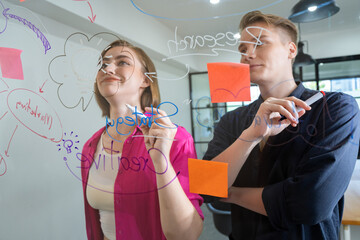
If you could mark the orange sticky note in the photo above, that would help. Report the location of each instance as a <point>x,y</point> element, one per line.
<point>229,82</point>
<point>207,177</point>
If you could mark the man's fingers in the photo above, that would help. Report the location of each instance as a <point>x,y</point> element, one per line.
<point>301,112</point>
<point>292,105</point>
<point>299,103</point>
<point>273,107</point>
<point>288,105</point>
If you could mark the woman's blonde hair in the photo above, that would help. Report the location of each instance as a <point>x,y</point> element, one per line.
<point>151,94</point>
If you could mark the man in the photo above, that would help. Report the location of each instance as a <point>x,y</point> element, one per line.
<point>287,177</point>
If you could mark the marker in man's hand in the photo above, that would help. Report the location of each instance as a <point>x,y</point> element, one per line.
<point>309,101</point>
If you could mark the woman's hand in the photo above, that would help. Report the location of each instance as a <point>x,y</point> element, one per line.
<point>267,119</point>
<point>161,133</point>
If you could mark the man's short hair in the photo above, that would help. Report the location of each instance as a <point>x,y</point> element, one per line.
<point>272,20</point>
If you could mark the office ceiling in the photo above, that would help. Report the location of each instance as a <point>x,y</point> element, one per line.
<point>199,17</point>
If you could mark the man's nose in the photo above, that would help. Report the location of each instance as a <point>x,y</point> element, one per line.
<point>250,54</point>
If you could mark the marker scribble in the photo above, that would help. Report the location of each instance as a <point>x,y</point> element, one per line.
<point>39,34</point>
<point>80,63</point>
<point>2,163</point>
<point>92,18</point>
<point>139,8</point>
<point>7,150</point>
<point>133,163</point>
<point>69,143</point>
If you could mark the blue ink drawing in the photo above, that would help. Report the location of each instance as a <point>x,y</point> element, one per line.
<point>137,7</point>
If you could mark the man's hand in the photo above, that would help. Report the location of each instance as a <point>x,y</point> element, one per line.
<point>267,119</point>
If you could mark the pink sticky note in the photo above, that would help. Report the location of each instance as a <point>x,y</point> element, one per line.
<point>10,63</point>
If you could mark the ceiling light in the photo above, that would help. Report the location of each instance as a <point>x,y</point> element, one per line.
<point>214,1</point>
<point>302,59</point>
<point>237,35</point>
<point>312,8</point>
<point>304,10</point>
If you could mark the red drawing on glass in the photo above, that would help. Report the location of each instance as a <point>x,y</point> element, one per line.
<point>40,88</point>
<point>3,167</point>
<point>7,150</point>
<point>92,18</point>
<point>33,112</point>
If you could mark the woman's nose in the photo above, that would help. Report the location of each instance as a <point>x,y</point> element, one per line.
<point>110,68</point>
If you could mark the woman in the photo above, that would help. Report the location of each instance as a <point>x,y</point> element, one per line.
<point>135,176</point>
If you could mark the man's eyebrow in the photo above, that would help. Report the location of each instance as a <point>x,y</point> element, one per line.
<point>264,36</point>
<point>241,46</point>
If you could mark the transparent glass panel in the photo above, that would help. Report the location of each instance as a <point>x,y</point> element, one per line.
<point>308,72</point>
<point>201,149</point>
<point>350,86</point>
<point>325,85</point>
<point>254,94</point>
<point>200,94</point>
<point>346,69</point>
<point>358,101</point>
<point>204,121</point>
<point>310,85</point>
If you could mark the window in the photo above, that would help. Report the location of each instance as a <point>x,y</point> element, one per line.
<point>331,74</point>
<point>205,115</point>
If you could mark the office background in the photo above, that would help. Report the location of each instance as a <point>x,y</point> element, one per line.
<point>40,193</point>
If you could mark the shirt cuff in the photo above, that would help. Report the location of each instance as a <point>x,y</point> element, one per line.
<point>274,202</point>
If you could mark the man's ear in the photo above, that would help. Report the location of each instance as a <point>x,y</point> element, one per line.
<point>292,50</point>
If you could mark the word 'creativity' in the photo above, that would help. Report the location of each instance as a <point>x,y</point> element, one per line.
<point>138,164</point>
<point>133,163</point>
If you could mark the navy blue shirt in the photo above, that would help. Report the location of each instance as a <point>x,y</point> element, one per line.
<point>304,170</point>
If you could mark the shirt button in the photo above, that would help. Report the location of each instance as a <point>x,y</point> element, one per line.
<point>117,201</point>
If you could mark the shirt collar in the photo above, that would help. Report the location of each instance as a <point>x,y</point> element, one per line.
<point>298,91</point>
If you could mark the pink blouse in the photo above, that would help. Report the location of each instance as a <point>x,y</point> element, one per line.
<point>136,203</point>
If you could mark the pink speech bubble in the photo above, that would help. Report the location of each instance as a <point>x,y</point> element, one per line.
<point>35,113</point>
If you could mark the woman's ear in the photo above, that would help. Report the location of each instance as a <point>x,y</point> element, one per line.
<point>146,80</point>
<point>292,50</point>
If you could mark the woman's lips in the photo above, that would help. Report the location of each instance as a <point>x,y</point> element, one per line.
<point>111,79</point>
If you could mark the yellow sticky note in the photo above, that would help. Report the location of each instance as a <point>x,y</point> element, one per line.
<point>207,177</point>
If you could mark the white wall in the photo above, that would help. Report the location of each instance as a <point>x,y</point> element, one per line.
<point>39,197</point>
